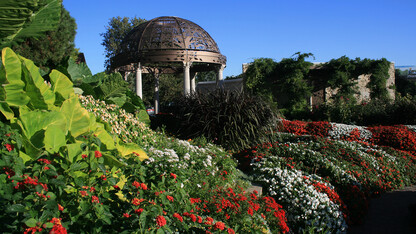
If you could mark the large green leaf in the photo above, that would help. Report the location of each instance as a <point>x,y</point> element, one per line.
<point>11,79</point>
<point>129,148</point>
<point>79,72</point>
<point>27,18</point>
<point>78,118</point>
<point>104,136</point>
<point>113,86</point>
<point>34,121</point>
<point>41,96</point>
<point>73,151</point>
<point>54,139</point>
<point>61,84</point>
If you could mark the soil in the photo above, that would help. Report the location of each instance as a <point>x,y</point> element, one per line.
<point>392,212</point>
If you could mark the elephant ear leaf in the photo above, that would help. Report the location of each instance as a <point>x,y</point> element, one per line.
<point>78,118</point>
<point>11,79</point>
<point>61,85</point>
<point>27,18</point>
<point>131,148</point>
<point>41,96</point>
<point>54,139</point>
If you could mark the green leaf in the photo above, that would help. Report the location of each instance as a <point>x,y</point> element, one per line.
<point>61,84</point>
<point>41,96</point>
<point>16,208</point>
<point>104,136</point>
<point>31,222</point>
<point>78,119</point>
<point>54,139</point>
<point>79,72</point>
<point>24,156</point>
<point>37,120</point>
<point>112,161</point>
<point>119,101</point>
<point>27,18</point>
<point>129,148</point>
<point>14,93</point>
<point>73,151</point>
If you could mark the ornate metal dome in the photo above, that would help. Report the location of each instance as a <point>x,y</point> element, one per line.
<point>168,39</point>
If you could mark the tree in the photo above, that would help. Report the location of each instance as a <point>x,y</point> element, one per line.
<point>257,76</point>
<point>292,79</point>
<point>27,18</point>
<point>116,30</point>
<point>53,47</point>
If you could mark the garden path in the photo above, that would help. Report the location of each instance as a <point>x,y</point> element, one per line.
<point>392,212</point>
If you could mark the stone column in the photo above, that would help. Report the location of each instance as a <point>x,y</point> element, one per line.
<point>156,92</point>
<point>220,78</point>
<point>126,75</point>
<point>139,81</point>
<point>193,86</point>
<point>187,78</point>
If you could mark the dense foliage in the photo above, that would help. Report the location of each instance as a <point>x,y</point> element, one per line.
<point>289,84</point>
<point>116,30</point>
<point>64,168</point>
<point>27,18</point>
<point>234,120</point>
<point>52,48</point>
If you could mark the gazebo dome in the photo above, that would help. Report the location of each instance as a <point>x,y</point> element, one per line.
<point>168,39</point>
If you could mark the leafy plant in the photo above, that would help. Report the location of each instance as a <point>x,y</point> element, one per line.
<point>51,118</point>
<point>28,18</point>
<point>234,120</point>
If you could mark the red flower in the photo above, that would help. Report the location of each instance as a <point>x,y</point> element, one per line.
<point>173,175</point>
<point>209,221</point>
<point>136,184</point>
<point>32,230</point>
<point>116,187</point>
<point>95,199</point>
<point>83,193</point>
<point>199,219</point>
<point>138,211</point>
<point>230,231</point>
<point>9,147</point>
<point>219,225</point>
<point>103,177</point>
<point>161,221</point>
<point>57,227</point>
<point>60,208</point>
<point>195,200</point>
<point>178,216</point>
<point>84,156</point>
<point>126,215</point>
<point>143,186</point>
<point>98,154</point>
<point>170,198</point>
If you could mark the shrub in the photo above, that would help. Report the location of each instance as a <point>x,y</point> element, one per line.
<point>234,120</point>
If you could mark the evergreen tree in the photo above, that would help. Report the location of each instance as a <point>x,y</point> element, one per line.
<point>52,48</point>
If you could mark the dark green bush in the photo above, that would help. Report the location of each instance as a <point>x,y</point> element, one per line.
<point>234,120</point>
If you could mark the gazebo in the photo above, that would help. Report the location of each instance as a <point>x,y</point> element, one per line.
<point>168,44</point>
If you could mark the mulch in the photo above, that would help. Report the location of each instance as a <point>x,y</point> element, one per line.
<point>392,212</point>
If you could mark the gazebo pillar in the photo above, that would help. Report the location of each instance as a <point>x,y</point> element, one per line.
<point>139,91</point>
<point>156,97</point>
<point>187,78</point>
<point>193,76</point>
<point>220,78</point>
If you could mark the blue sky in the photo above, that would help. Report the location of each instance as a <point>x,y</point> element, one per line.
<point>245,30</point>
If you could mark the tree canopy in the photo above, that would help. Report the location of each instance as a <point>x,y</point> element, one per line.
<point>116,30</point>
<point>53,47</point>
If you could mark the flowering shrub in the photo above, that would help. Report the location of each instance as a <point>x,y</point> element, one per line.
<point>308,200</point>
